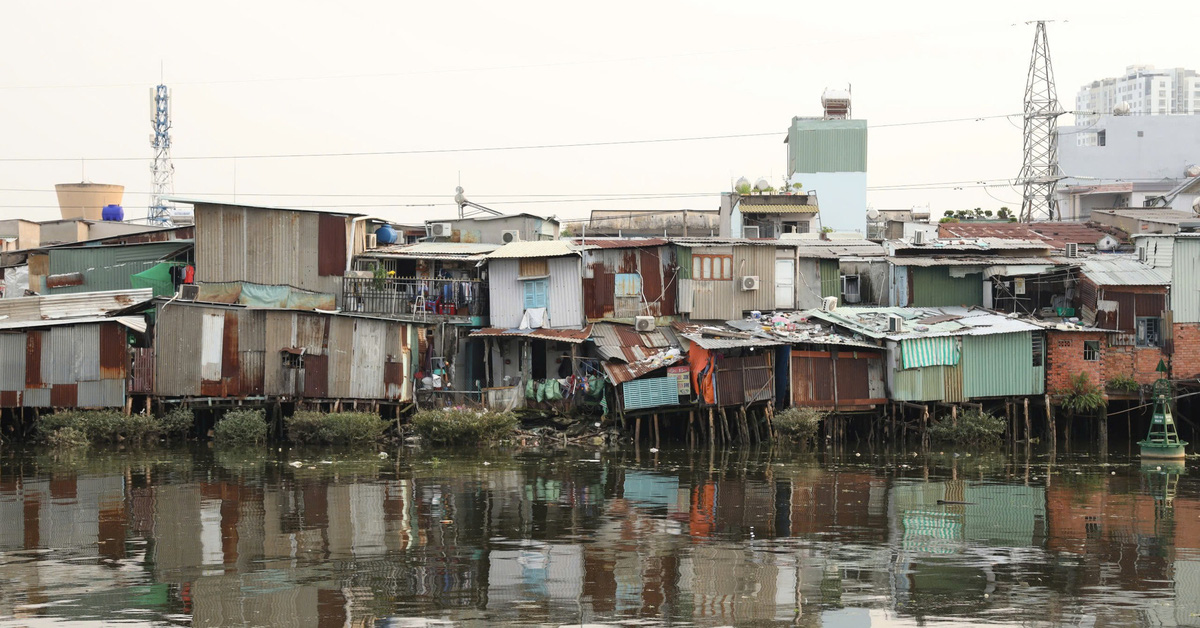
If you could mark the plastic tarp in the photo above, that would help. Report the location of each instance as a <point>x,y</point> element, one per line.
<point>259,295</point>
<point>16,281</point>
<point>157,278</point>
<point>919,352</point>
<point>702,364</point>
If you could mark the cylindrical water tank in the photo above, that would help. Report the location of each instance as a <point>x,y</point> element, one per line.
<point>386,235</point>
<point>112,212</point>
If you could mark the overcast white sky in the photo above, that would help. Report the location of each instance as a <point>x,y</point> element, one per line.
<point>254,78</point>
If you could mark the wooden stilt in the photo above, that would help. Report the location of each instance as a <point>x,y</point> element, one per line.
<point>954,415</point>
<point>1103,429</point>
<point>637,433</point>
<point>691,429</point>
<point>712,435</point>
<point>657,443</point>
<point>129,405</point>
<point>925,426</point>
<point>1051,428</point>
<point>1028,424</point>
<point>725,435</point>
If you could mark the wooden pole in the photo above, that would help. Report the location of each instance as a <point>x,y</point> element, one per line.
<point>657,443</point>
<point>1051,428</point>
<point>954,415</point>
<point>637,433</point>
<point>1104,429</point>
<point>1028,424</point>
<point>925,426</point>
<point>712,435</point>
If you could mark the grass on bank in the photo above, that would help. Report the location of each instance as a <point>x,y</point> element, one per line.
<point>338,428</point>
<point>455,426</point>
<point>79,428</point>
<point>241,427</point>
<point>798,425</point>
<point>974,428</point>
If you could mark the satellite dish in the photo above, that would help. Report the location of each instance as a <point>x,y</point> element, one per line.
<point>742,186</point>
<point>1122,109</point>
<point>761,185</point>
<point>460,199</point>
<point>873,214</point>
<point>1196,206</point>
<point>1192,171</point>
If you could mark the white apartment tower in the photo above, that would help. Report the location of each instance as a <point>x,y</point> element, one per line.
<point>1142,90</point>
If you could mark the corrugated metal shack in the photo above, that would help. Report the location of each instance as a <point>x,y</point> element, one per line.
<point>723,278</point>
<point>64,351</point>
<point>99,268</point>
<point>647,369</point>
<point>275,247</point>
<point>730,367</point>
<point>625,278</point>
<point>951,354</point>
<point>855,271</point>
<point>206,350</point>
<point>959,272</point>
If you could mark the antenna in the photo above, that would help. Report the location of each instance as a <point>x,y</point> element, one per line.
<point>162,171</point>
<point>1039,167</point>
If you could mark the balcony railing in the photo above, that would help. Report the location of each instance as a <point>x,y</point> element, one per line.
<point>415,298</point>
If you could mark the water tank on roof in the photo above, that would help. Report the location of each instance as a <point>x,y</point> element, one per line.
<point>112,212</point>
<point>386,235</point>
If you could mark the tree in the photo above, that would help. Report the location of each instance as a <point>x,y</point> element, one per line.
<point>1004,213</point>
<point>987,212</point>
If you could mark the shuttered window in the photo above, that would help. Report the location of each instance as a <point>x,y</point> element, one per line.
<point>712,267</point>
<point>535,293</point>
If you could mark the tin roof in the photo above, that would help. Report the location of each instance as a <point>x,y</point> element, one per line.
<point>837,249</point>
<point>200,201</point>
<point>751,208</point>
<point>923,322</point>
<point>136,323</point>
<point>619,243</point>
<point>630,354</point>
<point>697,242</point>
<point>573,336</point>
<point>1056,234</point>
<point>1162,216</point>
<point>534,248</point>
<point>465,251</point>
<point>970,244</point>
<point>976,260</point>
<point>1123,270</point>
<point>71,305</point>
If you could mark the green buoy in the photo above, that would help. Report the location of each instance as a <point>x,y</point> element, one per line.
<point>1162,440</point>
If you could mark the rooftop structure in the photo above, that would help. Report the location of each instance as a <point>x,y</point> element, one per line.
<point>1142,90</point>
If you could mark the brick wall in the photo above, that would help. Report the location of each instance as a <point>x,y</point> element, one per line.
<point>1186,361</point>
<point>1064,358</point>
<point>1130,361</point>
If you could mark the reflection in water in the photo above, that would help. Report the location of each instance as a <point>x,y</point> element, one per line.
<point>193,537</point>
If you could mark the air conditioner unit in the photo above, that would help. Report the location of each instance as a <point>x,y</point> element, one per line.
<point>440,229</point>
<point>919,237</point>
<point>643,323</point>
<point>749,283</point>
<point>750,232</point>
<point>895,324</point>
<point>372,241</point>
<point>189,292</point>
<point>510,235</point>
<point>828,304</point>
<point>850,291</point>
<point>1072,249</point>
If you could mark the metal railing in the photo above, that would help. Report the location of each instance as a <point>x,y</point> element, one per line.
<point>409,297</point>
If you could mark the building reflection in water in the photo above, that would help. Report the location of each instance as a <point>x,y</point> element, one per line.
<point>548,538</point>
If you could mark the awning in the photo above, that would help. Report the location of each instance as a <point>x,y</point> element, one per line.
<point>938,351</point>
<point>573,336</point>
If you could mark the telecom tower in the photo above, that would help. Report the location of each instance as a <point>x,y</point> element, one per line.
<point>162,171</point>
<point>1039,169</point>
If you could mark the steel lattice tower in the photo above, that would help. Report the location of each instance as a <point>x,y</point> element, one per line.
<point>1039,169</point>
<point>162,171</point>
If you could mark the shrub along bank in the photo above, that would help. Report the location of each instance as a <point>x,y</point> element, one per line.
<point>464,427</point>
<point>338,428</point>
<point>82,427</point>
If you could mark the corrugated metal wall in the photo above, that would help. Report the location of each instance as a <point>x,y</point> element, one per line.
<point>367,370</point>
<point>565,298</point>
<point>107,267</point>
<point>61,367</point>
<point>831,280</point>
<point>506,298</point>
<point>1185,280</point>
<point>934,286</point>
<point>650,392</point>
<point>816,145</point>
<point>266,246</point>
<point>930,383</point>
<point>758,261</point>
<point>999,365</point>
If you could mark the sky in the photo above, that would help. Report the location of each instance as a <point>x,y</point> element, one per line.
<point>423,81</point>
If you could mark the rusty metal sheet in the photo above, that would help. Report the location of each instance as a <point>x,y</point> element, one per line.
<point>652,281</point>
<point>251,369</point>
<point>33,358</point>
<point>331,245</point>
<point>852,380</point>
<point>64,395</point>
<point>393,378</point>
<point>573,336</point>
<point>1126,309</point>
<point>730,391</point>
<point>598,293</point>
<point>1150,305</point>
<point>341,356</point>
<point>210,388</point>
<point>10,398</point>
<point>533,267</point>
<point>64,280</point>
<point>141,378</point>
<point>113,352</point>
<point>229,347</point>
<point>316,376</point>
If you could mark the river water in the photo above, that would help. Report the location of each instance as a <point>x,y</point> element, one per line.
<point>552,537</point>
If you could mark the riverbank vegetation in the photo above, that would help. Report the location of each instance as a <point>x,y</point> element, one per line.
<point>455,426</point>
<point>241,427</point>
<point>338,428</point>
<point>972,428</point>
<point>79,428</point>
<point>798,426</point>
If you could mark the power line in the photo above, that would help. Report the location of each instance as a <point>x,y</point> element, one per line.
<point>481,149</point>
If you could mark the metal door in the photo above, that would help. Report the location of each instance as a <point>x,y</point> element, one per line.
<point>785,284</point>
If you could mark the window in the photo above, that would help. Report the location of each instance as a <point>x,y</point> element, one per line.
<point>712,267</point>
<point>1091,350</point>
<point>1148,331</point>
<point>1038,349</point>
<point>535,293</point>
<point>1101,138</point>
<point>292,360</point>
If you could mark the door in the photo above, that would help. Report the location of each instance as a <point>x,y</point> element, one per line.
<point>785,284</point>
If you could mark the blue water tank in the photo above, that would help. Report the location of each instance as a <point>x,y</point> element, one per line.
<point>112,212</point>
<point>386,235</point>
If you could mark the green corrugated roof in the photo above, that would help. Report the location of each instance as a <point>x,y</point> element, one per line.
<point>109,267</point>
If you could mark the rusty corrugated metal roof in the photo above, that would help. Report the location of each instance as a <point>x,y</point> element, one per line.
<point>620,243</point>
<point>573,336</point>
<point>72,305</point>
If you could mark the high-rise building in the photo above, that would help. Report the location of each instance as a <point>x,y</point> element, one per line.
<point>1142,90</point>
<point>827,157</point>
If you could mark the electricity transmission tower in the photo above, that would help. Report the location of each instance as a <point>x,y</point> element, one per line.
<point>162,170</point>
<point>1039,168</point>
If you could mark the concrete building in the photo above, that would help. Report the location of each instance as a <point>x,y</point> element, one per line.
<point>828,156</point>
<point>1143,90</point>
<point>494,229</point>
<point>768,215</point>
<point>1125,161</point>
<point>18,234</point>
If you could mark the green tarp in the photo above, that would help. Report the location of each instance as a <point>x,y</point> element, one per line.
<point>918,352</point>
<point>157,277</point>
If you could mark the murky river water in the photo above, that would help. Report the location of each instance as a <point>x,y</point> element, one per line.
<point>193,536</point>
